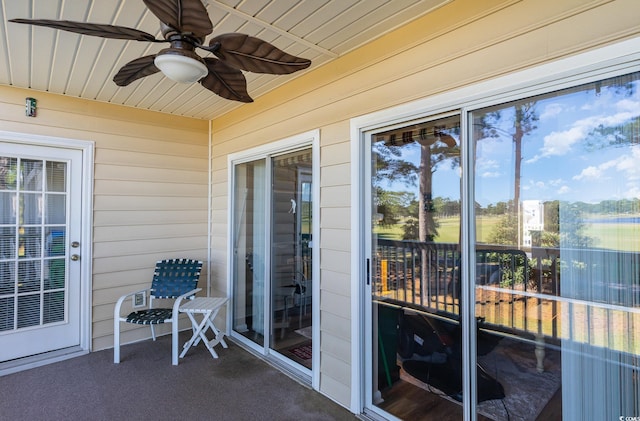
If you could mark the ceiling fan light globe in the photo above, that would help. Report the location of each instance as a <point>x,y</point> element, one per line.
<point>180,68</point>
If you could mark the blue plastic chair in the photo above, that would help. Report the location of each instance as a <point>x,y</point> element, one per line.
<point>175,279</point>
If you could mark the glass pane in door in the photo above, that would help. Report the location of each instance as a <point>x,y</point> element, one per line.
<point>415,283</point>
<point>249,250</point>
<point>32,242</point>
<point>291,256</point>
<point>557,185</point>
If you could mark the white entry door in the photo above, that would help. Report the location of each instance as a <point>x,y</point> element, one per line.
<point>40,231</point>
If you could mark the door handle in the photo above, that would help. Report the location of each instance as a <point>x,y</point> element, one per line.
<point>75,257</point>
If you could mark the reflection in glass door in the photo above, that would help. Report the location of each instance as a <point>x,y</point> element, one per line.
<point>416,366</point>
<point>557,251</point>
<point>249,250</point>
<point>290,258</point>
<point>272,264</point>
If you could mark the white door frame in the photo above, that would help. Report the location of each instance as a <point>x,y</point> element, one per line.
<point>306,139</point>
<point>85,250</point>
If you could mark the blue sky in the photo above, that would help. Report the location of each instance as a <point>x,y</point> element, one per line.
<point>556,162</point>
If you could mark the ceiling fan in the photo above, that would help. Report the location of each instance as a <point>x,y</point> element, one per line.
<point>184,25</point>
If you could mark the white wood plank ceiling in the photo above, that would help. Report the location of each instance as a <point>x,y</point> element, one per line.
<point>45,59</point>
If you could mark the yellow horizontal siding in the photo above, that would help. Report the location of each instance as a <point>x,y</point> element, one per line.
<point>336,196</point>
<point>339,327</point>
<point>336,239</point>
<point>335,175</point>
<point>145,246</point>
<point>175,176</point>
<point>106,218</point>
<point>147,159</point>
<point>150,189</point>
<point>335,218</point>
<point>341,369</point>
<point>336,282</point>
<point>182,146</point>
<point>146,203</point>
<point>336,390</point>
<point>337,304</point>
<point>160,231</point>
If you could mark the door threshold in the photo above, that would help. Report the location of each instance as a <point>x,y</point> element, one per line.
<point>286,368</point>
<point>38,360</point>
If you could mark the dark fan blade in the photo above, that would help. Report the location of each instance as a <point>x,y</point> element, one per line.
<point>135,70</point>
<point>182,15</point>
<point>94,29</point>
<point>225,81</point>
<point>255,55</point>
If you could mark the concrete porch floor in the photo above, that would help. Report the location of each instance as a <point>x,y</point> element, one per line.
<point>145,386</point>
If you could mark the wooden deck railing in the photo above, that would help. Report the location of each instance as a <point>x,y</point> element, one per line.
<point>518,292</point>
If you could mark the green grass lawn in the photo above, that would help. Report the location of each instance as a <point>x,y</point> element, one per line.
<point>449,230</point>
<point>612,236</point>
<point>615,236</point>
<point>393,232</point>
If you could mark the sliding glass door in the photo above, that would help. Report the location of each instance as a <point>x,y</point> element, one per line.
<point>536,267</point>
<point>272,259</point>
<point>414,269</point>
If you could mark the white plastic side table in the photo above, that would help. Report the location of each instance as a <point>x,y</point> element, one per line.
<point>208,307</point>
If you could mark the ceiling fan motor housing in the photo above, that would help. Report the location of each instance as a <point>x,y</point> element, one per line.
<point>180,63</point>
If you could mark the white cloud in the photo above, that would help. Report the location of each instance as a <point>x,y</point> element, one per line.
<point>629,106</point>
<point>551,111</point>
<point>559,143</point>
<point>632,192</point>
<point>564,190</point>
<point>627,165</point>
<point>490,174</point>
<point>491,163</point>
<point>482,164</point>
<point>590,172</point>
